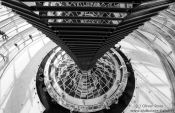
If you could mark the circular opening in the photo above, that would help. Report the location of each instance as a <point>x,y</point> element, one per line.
<point>88,91</point>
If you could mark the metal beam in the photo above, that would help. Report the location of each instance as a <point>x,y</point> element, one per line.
<point>79,17</point>
<point>119,36</point>
<point>85,56</point>
<point>129,25</point>
<point>87,49</point>
<point>82,42</point>
<point>146,9</point>
<point>152,4</point>
<point>85,44</point>
<point>80,46</point>
<point>70,8</point>
<point>73,32</point>
<point>82,31</point>
<point>116,39</point>
<point>83,39</point>
<point>55,24</point>
<point>131,28</point>
<point>138,17</point>
<point>118,1</point>
<point>82,54</point>
<point>83,36</point>
<point>83,47</point>
<point>83,28</point>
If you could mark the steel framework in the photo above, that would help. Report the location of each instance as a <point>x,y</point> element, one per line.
<point>86,29</point>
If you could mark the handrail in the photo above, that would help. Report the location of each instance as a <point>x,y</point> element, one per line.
<point>5,67</point>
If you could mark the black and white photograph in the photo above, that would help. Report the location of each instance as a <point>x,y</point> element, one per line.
<point>101,56</point>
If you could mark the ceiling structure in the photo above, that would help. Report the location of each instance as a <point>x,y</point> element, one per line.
<point>150,50</point>
<point>86,29</point>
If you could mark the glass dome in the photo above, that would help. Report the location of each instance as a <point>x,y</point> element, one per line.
<point>149,50</point>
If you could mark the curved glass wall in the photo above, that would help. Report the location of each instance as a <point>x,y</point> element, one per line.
<point>15,35</point>
<point>151,49</point>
